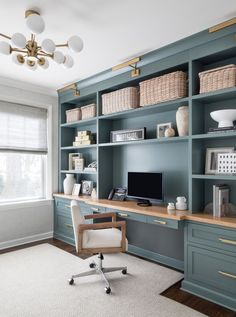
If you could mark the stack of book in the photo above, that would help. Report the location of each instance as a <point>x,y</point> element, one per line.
<point>220,200</point>
<point>224,129</point>
<point>84,138</point>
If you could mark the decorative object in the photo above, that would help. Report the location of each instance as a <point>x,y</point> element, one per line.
<point>76,190</point>
<point>32,54</point>
<point>181,203</point>
<point>182,120</point>
<point>84,138</point>
<point>225,117</point>
<point>73,115</point>
<point>163,88</point>
<point>170,132</point>
<point>72,157</point>
<point>94,193</point>
<point>220,200</point>
<point>92,167</point>
<point>226,163</point>
<point>128,135</point>
<point>79,164</point>
<point>212,158</point>
<point>68,184</point>
<point>120,100</point>
<point>161,128</point>
<point>88,111</point>
<point>217,78</point>
<point>87,187</point>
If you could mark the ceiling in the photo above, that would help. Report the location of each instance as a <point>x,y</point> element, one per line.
<point>112,31</point>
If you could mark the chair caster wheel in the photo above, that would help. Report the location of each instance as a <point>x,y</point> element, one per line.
<point>124,271</point>
<point>71,281</point>
<point>92,265</point>
<point>107,290</point>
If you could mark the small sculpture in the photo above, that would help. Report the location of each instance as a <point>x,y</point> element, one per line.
<point>170,132</point>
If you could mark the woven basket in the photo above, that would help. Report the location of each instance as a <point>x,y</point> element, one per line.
<point>120,100</point>
<point>218,78</point>
<point>88,111</point>
<point>73,115</point>
<point>167,87</point>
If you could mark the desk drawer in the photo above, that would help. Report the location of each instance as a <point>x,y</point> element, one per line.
<point>213,269</point>
<point>63,225</point>
<point>62,204</point>
<point>128,215</point>
<point>223,239</point>
<point>95,208</point>
<point>163,222</point>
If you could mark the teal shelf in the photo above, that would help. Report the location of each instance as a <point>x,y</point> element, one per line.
<point>65,148</point>
<point>218,95</point>
<point>219,135</point>
<point>76,172</point>
<point>215,176</point>
<point>147,141</point>
<point>79,123</point>
<point>147,110</point>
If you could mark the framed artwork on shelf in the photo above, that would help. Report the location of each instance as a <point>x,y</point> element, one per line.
<point>87,187</point>
<point>212,158</point>
<point>71,158</point>
<point>161,129</point>
<point>76,190</point>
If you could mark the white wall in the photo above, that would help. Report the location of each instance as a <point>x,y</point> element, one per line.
<point>30,221</point>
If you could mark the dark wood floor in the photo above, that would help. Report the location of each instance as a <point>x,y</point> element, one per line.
<point>174,292</point>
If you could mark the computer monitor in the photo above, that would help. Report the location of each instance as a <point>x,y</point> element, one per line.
<point>145,186</point>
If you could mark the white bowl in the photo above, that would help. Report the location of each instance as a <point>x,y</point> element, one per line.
<point>224,117</point>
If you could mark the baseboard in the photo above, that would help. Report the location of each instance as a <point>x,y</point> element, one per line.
<point>28,239</point>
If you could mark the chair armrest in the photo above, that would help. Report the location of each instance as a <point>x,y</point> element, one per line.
<point>102,225</point>
<point>103,215</point>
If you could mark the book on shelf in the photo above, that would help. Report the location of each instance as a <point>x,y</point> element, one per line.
<point>223,129</point>
<point>220,200</point>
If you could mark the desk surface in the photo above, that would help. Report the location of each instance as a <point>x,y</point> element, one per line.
<point>158,211</point>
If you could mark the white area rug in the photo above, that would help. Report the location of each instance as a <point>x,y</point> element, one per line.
<point>33,282</point>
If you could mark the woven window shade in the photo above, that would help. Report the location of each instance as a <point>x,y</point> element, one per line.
<point>23,128</point>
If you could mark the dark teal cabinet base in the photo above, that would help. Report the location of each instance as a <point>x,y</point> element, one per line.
<point>206,293</point>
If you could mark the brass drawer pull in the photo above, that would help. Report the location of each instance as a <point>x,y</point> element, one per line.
<point>160,222</point>
<point>227,241</point>
<point>68,225</point>
<point>67,206</point>
<point>123,215</point>
<point>227,274</point>
<point>94,209</point>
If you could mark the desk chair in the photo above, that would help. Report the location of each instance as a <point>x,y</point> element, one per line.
<point>98,238</point>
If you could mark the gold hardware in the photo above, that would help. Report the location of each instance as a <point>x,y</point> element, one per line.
<point>227,241</point>
<point>160,222</point>
<point>123,215</point>
<point>67,206</point>
<point>68,226</point>
<point>70,87</point>
<point>29,12</point>
<point>6,36</point>
<point>94,209</point>
<point>227,274</point>
<point>222,25</point>
<point>131,63</point>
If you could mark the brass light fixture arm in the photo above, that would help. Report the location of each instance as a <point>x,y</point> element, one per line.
<point>131,63</point>
<point>5,36</point>
<point>72,87</point>
<point>62,45</point>
<point>14,49</point>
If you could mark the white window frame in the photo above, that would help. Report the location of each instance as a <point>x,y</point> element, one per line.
<point>49,167</point>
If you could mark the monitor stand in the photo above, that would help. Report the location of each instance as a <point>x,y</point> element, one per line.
<point>144,203</point>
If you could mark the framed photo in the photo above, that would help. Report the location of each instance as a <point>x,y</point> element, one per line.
<point>212,158</point>
<point>71,158</point>
<point>76,190</point>
<point>161,129</point>
<point>87,187</point>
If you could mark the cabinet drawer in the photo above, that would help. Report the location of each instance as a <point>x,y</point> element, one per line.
<point>163,222</point>
<point>213,269</point>
<point>62,205</point>
<point>129,215</point>
<point>223,239</point>
<point>95,208</point>
<point>63,225</point>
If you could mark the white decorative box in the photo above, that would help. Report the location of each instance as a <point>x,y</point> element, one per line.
<point>226,163</point>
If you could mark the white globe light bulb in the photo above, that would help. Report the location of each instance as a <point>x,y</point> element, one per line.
<point>58,57</point>
<point>69,62</point>
<point>18,59</point>
<point>35,23</point>
<point>31,64</point>
<point>48,46</point>
<point>75,43</point>
<point>5,48</point>
<point>18,40</point>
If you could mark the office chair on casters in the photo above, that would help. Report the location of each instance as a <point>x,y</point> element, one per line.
<point>98,238</point>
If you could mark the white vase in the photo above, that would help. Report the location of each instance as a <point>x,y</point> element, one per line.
<point>94,194</point>
<point>182,119</point>
<point>68,184</point>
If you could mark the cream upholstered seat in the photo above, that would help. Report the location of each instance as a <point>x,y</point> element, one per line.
<point>98,238</point>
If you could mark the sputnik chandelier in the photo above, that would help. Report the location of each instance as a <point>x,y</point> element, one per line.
<point>29,53</point>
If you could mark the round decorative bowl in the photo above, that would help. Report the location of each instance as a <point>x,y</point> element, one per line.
<point>225,118</point>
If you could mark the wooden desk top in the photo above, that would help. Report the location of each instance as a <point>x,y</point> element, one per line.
<point>158,211</point>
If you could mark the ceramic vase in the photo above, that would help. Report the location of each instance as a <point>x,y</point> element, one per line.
<point>94,193</point>
<point>68,184</point>
<point>182,119</point>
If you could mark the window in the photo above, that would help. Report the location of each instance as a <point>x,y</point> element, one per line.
<point>23,152</point>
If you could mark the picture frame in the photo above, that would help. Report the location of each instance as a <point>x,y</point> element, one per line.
<point>86,187</point>
<point>71,160</point>
<point>212,158</point>
<point>161,129</point>
<point>76,189</point>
